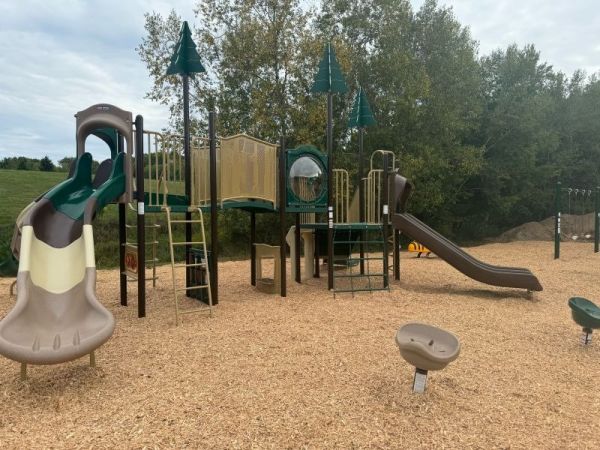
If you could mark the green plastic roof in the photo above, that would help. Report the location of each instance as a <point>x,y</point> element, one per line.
<point>329,78</point>
<point>185,59</point>
<point>361,115</point>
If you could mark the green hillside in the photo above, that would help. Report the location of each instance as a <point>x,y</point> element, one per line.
<point>18,188</point>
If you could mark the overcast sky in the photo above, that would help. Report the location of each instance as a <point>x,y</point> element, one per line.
<point>58,57</point>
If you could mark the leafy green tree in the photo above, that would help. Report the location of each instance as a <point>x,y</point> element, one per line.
<point>522,99</point>
<point>258,55</point>
<point>64,164</point>
<point>46,164</point>
<point>580,163</point>
<point>155,51</point>
<point>422,73</point>
<point>484,139</point>
<point>22,164</point>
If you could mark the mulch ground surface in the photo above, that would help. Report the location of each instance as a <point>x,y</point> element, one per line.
<point>314,371</point>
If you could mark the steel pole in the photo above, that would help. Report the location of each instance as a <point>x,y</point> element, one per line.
<point>141,218</point>
<point>557,221</point>
<point>214,235</point>
<point>187,176</point>
<point>361,197</point>
<point>329,191</point>
<point>597,220</point>
<point>282,202</point>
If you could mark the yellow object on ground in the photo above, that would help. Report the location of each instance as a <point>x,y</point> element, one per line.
<point>415,247</point>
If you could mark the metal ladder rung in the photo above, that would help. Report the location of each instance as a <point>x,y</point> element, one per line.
<point>362,290</point>
<point>357,242</point>
<point>371,258</point>
<point>190,288</point>
<point>190,265</point>
<point>359,275</point>
<point>130,244</point>
<point>204,264</point>
<point>198,310</point>
<point>155,225</point>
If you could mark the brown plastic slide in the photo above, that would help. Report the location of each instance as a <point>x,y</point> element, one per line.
<point>459,259</point>
<point>57,317</point>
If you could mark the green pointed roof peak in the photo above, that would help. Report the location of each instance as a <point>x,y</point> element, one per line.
<point>329,78</point>
<point>185,59</point>
<point>361,115</point>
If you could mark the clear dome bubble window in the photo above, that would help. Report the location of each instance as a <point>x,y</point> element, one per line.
<point>307,179</point>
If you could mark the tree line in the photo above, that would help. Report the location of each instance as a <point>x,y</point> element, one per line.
<point>484,138</point>
<point>44,165</point>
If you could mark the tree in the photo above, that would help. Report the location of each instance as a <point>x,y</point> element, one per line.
<point>64,164</point>
<point>46,164</point>
<point>422,74</point>
<point>259,56</point>
<point>483,139</point>
<point>519,138</point>
<point>22,164</point>
<point>19,163</point>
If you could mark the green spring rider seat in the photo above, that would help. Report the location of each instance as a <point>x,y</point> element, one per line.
<point>585,314</point>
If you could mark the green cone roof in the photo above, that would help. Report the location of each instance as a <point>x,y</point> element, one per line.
<point>361,115</point>
<point>329,78</point>
<point>185,59</point>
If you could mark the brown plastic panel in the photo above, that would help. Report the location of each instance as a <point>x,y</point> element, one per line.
<point>47,328</point>
<point>104,115</point>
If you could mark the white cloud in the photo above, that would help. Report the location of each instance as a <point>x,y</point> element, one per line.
<point>565,32</point>
<point>60,57</point>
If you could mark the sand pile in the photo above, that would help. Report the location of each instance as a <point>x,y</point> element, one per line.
<point>574,228</point>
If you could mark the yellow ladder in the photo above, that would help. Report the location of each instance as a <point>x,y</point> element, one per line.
<point>185,265</point>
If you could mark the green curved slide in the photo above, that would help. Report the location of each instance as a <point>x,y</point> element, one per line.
<point>57,316</point>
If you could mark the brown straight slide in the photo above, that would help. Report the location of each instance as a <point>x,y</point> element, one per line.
<point>513,277</point>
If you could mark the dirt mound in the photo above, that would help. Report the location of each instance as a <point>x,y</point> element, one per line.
<point>573,227</point>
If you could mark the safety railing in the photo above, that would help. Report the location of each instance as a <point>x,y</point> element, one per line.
<point>164,165</point>
<point>374,189</point>
<point>341,195</point>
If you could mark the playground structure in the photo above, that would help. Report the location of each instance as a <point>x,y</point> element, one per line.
<point>587,315</point>
<point>304,170</point>
<point>57,317</point>
<point>573,217</point>
<point>451,253</point>
<point>247,178</point>
<point>426,348</point>
<point>155,173</point>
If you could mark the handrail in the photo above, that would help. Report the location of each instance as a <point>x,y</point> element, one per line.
<point>383,153</point>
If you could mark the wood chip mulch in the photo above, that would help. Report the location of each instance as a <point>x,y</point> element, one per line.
<point>314,371</point>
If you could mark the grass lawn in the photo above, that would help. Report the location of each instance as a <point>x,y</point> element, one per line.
<point>19,187</point>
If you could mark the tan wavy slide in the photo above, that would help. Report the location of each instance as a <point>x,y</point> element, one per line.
<point>57,317</point>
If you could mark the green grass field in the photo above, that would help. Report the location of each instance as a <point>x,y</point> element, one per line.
<point>19,187</point>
